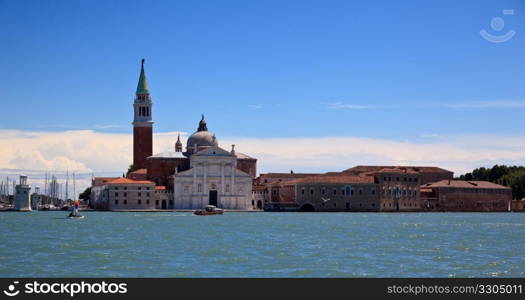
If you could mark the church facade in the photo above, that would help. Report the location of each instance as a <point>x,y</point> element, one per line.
<point>213,179</point>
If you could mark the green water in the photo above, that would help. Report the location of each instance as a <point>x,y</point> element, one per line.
<point>110,244</point>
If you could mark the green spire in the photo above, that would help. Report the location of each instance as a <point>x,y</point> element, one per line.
<point>142,87</point>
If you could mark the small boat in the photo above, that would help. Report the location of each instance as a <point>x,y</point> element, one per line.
<point>75,214</point>
<point>209,210</point>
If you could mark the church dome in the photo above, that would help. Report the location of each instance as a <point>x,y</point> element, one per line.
<point>202,138</point>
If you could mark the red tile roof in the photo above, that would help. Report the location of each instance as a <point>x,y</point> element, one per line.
<point>140,171</point>
<point>324,179</point>
<point>98,181</point>
<point>424,169</point>
<point>287,175</point>
<point>398,170</point>
<point>465,184</point>
<point>129,181</point>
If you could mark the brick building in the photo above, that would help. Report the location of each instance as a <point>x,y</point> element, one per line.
<point>337,193</point>
<point>428,174</point>
<point>386,189</point>
<point>399,188</point>
<point>129,194</point>
<point>461,195</point>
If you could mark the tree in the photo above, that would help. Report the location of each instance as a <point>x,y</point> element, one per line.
<point>516,181</point>
<point>130,169</point>
<point>86,194</point>
<point>511,176</point>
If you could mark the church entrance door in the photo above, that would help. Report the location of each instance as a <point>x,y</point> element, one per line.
<point>213,198</point>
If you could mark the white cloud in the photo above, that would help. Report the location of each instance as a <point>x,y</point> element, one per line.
<point>78,150</point>
<point>458,154</point>
<point>340,105</point>
<point>431,136</point>
<point>85,151</point>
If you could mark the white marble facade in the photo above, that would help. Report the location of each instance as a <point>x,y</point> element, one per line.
<point>213,179</point>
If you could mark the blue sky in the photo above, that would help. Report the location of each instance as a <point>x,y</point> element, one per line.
<point>388,69</point>
<point>312,86</point>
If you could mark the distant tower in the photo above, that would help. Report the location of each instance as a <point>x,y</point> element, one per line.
<point>22,197</point>
<point>178,145</point>
<point>142,123</point>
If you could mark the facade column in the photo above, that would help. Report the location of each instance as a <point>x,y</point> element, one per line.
<point>223,191</point>
<point>205,191</point>
<point>194,195</point>
<point>233,205</point>
<point>195,179</point>
<point>233,178</point>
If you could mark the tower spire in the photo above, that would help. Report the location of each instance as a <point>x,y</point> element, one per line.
<point>142,123</point>
<point>142,86</point>
<point>178,144</point>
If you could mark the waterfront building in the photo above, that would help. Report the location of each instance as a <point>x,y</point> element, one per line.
<point>36,200</point>
<point>22,195</point>
<point>260,197</point>
<point>213,179</point>
<point>335,193</point>
<point>266,193</point>
<point>129,194</point>
<point>398,188</point>
<point>463,195</point>
<point>388,189</point>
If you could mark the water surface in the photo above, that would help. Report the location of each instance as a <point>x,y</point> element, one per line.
<point>167,244</point>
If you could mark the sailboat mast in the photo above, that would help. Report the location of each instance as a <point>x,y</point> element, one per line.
<point>45,185</point>
<point>74,185</point>
<point>67,185</point>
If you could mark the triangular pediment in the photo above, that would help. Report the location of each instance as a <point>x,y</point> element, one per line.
<point>213,151</point>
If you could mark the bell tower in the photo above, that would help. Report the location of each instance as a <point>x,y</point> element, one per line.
<point>142,123</point>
